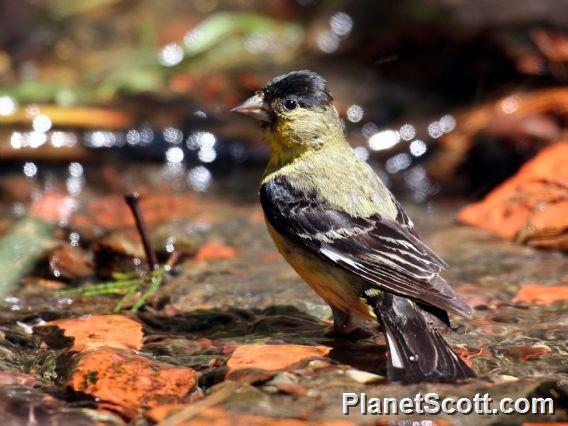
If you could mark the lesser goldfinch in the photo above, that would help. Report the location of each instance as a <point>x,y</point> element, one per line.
<point>346,235</point>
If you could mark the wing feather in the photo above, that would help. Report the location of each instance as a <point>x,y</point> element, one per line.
<point>383,251</point>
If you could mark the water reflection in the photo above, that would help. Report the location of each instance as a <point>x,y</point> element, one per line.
<point>41,123</point>
<point>199,178</point>
<point>8,105</point>
<point>407,132</point>
<point>355,113</point>
<point>173,135</point>
<point>435,130</point>
<point>101,139</point>
<point>341,24</point>
<point>362,153</point>
<point>174,155</point>
<point>418,148</point>
<point>30,170</point>
<point>384,139</point>
<point>398,163</point>
<point>509,105</point>
<point>171,55</point>
<point>74,239</point>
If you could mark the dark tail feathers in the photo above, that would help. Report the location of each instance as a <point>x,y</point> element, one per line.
<point>417,351</point>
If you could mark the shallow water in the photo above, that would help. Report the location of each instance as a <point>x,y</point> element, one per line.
<point>255,296</point>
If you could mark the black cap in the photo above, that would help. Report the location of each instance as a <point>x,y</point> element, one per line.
<point>308,87</point>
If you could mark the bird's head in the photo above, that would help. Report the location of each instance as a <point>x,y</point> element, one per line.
<point>295,110</point>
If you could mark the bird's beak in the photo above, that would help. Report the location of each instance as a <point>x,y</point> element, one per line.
<point>254,107</point>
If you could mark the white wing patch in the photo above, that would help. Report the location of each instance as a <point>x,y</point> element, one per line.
<point>336,255</point>
<point>396,358</point>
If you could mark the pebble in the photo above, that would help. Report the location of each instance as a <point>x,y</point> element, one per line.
<point>364,376</point>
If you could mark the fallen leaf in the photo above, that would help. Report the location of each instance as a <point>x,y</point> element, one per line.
<point>541,294</point>
<point>116,331</point>
<point>128,380</point>
<point>531,205</point>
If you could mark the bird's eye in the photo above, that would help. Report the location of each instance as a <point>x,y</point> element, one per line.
<point>290,104</point>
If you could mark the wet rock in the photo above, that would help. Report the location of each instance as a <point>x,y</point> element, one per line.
<point>129,382</point>
<point>162,412</point>
<point>22,405</point>
<point>178,236</point>
<point>36,282</point>
<point>287,383</point>
<point>504,378</point>
<point>528,352</point>
<point>118,252</point>
<point>532,206</point>
<point>220,416</point>
<point>536,294</point>
<point>216,251</point>
<point>9,378</point>
<point>115,331</point>
<point>70,263</point>
<point>272,357</point>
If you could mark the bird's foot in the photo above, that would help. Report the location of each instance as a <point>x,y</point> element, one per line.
<point>343,326</point>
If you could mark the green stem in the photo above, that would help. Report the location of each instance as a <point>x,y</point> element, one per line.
<point>112,287</point>
<point>156,281</point>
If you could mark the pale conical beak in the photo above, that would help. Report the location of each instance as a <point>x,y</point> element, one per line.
<point>254,107</point>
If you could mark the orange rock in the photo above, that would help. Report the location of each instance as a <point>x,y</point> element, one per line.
<point>541,294</point>
<point>531,203</point>
<point>528,352</point>
<point>53,207</point>
<point>116,331</point>
<point>272,357</point>
<point>217,416</point>
<point>546,424</point>
<point>215,251</point>
<point>130,381</point>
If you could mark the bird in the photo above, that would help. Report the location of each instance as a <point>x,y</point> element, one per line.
<point>336,223</point>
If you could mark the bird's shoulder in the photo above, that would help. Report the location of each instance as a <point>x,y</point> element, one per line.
<point>337,179</point>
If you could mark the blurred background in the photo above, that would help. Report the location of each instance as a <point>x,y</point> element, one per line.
<point>442,95</point>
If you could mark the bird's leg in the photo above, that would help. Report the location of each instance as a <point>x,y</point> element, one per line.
<point>342,323</point>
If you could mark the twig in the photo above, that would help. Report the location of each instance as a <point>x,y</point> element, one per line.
<point>133,201</point>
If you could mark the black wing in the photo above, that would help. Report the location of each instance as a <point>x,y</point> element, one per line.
<point>385,252</point>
